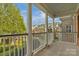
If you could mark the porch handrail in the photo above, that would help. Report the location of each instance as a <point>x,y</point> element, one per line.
<point>32,33</point>
<point>13,35</point>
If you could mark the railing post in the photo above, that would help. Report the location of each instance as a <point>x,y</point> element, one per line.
<point>46,28</point>
<point>29,30</point>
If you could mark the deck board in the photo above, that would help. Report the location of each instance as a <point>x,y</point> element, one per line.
<point>60,48</point>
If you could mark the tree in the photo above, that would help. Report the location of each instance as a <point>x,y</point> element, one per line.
<point>10,20</point>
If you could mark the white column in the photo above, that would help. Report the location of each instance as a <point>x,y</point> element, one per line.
<point>29,30</point>
<point>53,24</point>
<point>74,28</point>
<point>46,28</point>
<point>53,29</point>
<point>76,21</point>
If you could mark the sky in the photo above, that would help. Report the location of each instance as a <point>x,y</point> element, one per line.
<point>38,16</point>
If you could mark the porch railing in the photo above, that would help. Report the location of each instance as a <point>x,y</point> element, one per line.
<point>13,45</point>
<point>39,41</point>
<point>16,44</point>
<point>67,37</point>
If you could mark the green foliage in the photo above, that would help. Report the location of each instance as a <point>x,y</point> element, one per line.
<point>10,20</point>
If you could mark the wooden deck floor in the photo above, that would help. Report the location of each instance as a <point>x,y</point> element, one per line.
<point>60,49</point>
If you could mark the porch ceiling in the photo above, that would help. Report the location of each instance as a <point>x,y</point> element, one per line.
<point>60,9</point>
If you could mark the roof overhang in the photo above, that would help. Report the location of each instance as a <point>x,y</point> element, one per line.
<point>59,9</point>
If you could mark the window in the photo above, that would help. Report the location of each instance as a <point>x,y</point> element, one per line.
<point>38,20</point>
<point>69,28</point>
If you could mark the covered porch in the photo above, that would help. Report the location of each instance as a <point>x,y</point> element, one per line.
<point>43,44</point>
<point>67,43</point>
